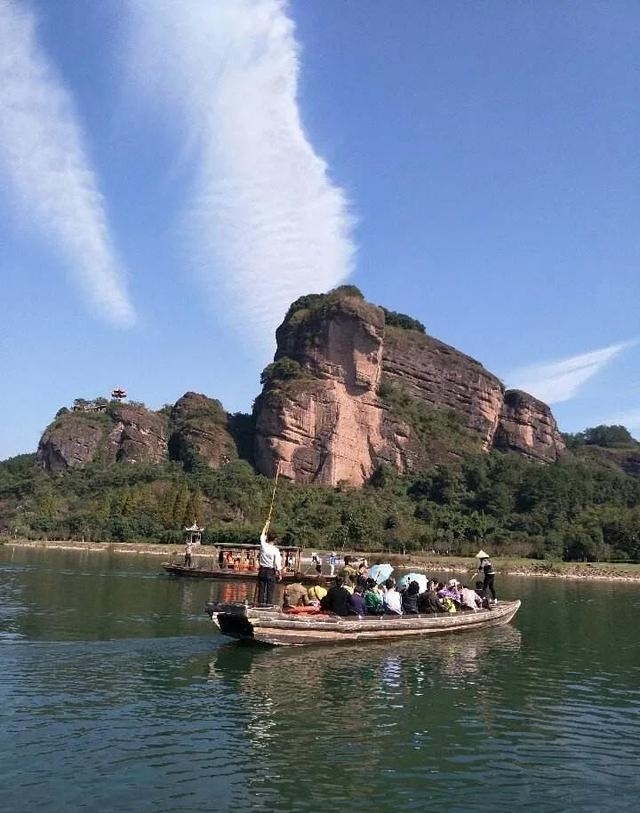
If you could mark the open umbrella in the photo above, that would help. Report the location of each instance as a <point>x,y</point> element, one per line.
<point>405,581</point>
<point>380,572</point>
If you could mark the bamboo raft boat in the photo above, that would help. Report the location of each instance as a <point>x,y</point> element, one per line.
<point>273,626</point>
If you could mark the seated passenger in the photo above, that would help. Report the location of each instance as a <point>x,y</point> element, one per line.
<point>469,599</point>
<point>428,602</point>
<point>295,595</point>
<point>317,591</point>
<point>373,598</point>
<point>357,602</point>
<point>337,599</point>
<point>450,591</point>
<point>392,599</point>
<point>410,599</point>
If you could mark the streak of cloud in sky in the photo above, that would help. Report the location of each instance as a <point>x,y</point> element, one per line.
<point>265,222</point>
<point>48,173</point>
<point>557,381</point>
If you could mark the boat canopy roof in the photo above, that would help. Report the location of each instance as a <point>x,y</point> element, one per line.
<point>240,546</point>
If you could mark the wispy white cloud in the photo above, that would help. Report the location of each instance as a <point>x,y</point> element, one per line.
<point>266,222</point>
<point>557,381</point>
<point>44,160</point>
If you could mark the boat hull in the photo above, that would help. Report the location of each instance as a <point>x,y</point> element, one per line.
<point>272,626</point>
<point>237,575</point>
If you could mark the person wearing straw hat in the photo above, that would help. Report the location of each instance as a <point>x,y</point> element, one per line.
<point>486,568</point>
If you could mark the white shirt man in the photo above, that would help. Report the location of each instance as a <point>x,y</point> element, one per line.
<point>270,563</point>
<point>269,553</point>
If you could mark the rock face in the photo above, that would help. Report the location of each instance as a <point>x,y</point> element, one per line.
<point>441,376</point>
<point>126,433</point>
<point>329,418</point>
<point>139,435</point>
<point>527,426</point>
<point>325,425</point>
<point>352,387</point>
<point>200,431</point>
<point>71,441</point>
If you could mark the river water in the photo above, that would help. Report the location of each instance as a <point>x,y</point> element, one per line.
<point>118,695</point>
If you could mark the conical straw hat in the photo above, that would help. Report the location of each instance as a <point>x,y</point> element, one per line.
<point>482,555</point>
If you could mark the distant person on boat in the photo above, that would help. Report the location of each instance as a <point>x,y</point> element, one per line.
<point>295,595</point>
<point>338,599</point>
<point>270,566</point>
<point>316,560</point>
<point>348,571</point>
<point>486,569</point>
<point>188,548</point>
<point>392,599</point>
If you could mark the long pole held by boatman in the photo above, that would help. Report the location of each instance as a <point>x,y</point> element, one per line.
<point>273,496</point>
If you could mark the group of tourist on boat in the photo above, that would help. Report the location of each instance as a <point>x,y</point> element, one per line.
<point>356,592</point>
<point>365,597</point>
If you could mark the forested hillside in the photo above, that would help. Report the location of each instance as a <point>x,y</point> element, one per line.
<point>586,506</point>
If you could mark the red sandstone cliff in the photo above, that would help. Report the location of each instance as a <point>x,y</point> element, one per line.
<point>364,393</point>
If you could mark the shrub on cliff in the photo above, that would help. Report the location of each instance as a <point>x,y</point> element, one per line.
<point>285,369</point>
<point>403,321</point>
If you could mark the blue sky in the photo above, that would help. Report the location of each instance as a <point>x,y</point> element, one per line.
<point>173,175</point>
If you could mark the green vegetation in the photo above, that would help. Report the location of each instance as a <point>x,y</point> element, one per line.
<point>403,321</point>
<point>321,302</point>
<point>441,432</point>
<point>607,437</point>
<point>581,509</point>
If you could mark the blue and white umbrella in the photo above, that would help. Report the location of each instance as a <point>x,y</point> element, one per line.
<point>380,573</point>
<point>405,581</point>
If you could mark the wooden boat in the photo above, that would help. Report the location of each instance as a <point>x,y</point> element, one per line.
<point>273,626</point>
<point>200,572</point>
<point>237,562</point>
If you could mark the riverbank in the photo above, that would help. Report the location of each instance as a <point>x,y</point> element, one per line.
<point>463,566</point>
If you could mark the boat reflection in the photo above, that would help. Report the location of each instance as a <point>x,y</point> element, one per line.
<point>395,664</point>
<point>353,704</point>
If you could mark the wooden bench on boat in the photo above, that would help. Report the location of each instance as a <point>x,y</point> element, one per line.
<point>271,625</point>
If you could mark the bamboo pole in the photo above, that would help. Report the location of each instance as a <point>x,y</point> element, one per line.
<point>273,496</point>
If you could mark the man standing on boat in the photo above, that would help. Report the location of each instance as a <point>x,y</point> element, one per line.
<point>486,569</point>
<point>270,565</point>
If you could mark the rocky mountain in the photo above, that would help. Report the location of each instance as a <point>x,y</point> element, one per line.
<point>200,431</point>
<point>194,429</point>
<point>352,387</point>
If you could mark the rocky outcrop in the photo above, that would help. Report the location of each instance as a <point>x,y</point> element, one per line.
<point>527,426</point>
<point>440,376</point>
<point>72,441</point>
<point>122,433</point>
<point>138,436</point>
<point>325,425</point>
<point>348,392</point>
<point>199,431</point>
<point>352,387</point>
